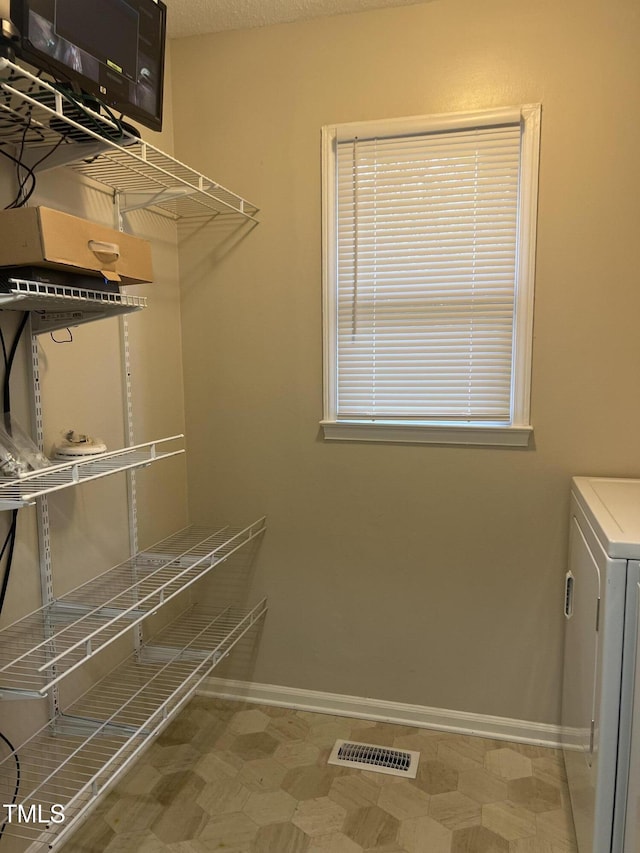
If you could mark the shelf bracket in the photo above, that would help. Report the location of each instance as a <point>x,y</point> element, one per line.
<point>141,199</point>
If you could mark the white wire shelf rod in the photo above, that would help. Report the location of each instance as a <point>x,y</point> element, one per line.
<point>63,293</point>
<point>87,641</point>
<point>163,711</point>
<point>62,466</point>
<point>67,466</point>
<point>15,493</point>
<point>98,472</point>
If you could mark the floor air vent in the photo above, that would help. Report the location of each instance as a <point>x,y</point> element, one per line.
<point>380,759</point>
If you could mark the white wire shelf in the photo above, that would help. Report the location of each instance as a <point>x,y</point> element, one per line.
<point>44,647</point>
<point>18,493</point>
<point>51,130</point>
<point>56,306</point>
<point>73,760</point>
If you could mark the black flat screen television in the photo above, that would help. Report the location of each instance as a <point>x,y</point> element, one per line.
<point>111,49</point>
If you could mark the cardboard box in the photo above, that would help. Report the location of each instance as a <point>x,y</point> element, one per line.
<point>43,237</point>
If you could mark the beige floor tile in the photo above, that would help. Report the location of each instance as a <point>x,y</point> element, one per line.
<point>220,765</point>
<point>354,790</point>
<point>482,786</point>
<point>319,816</point>
<point>265,774</point>
<point>133,843</point>
<point>180,821</point>
<point>535,794</point>
<point>425,744</point>
<point>557,827</point>
<point>533,844</point>
<point>133,813</point>
<point>307,783</point>
<point>371,826</point>
<point>249,722</point>
<point>404,800</point>
<point>94,835</point>
<point>454,810</point>
<point>297,753</point>
<point>462,753</point>
<point>221,797</point>
<point>270,807</point>
<point>254,745</point>
<point>183,786</point>
<point>326,733</point>
<point>140,780</point>
<point>334,842</point>
<point>509,820</point>
<point>435,777</point>
<point>171,759</point>
<point>507,763</point>
<point>196,846</point>
<point>313,718</point>
<point>422,834</point>
<point>478,839</point>
<point>549,769</point>
<point>280,838</point>
<point>289,727</point>
<point>230,830</point>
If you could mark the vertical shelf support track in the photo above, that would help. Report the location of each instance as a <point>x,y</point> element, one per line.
<point>42,511</point>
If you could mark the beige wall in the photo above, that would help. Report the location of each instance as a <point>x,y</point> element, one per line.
<point>429,575</point>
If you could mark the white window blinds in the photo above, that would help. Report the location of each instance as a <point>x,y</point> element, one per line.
<point>426,259</point>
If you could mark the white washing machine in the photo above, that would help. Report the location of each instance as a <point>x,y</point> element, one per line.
<point>601,683</point>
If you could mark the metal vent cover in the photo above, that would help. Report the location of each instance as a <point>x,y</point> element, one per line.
<point>379,759</point>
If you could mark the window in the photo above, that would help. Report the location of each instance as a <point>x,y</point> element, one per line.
<point>429,247</point>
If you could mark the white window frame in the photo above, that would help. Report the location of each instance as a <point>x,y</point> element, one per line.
<point>518,430</point>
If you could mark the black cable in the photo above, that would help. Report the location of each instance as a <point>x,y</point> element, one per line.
<point>4,348</point>
<point>17,788</point>
<point>23,172</point>
<point>22,198</point>
<point>17,163</point>
<point>80,102</point>
<point>68,340</point>
<point>6,395</point>
<point>10,540</point>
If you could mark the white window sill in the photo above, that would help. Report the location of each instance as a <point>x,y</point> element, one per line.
<point>490,435</point>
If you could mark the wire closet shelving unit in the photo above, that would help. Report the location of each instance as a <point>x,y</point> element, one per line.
<point>87,745</point>
<point>81,753</point>
<point>52,131</point>
<point>41,649</point>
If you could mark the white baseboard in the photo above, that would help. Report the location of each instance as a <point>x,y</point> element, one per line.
<point>459,722</point>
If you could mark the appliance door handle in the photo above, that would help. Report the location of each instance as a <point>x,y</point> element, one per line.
<point>568,595</point>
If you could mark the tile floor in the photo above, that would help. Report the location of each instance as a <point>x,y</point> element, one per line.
<point>239,778</point>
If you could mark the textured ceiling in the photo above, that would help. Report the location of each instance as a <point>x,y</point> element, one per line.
<point>189,17</point>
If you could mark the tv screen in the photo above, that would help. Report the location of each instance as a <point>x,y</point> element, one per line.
<point>111,49</point>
